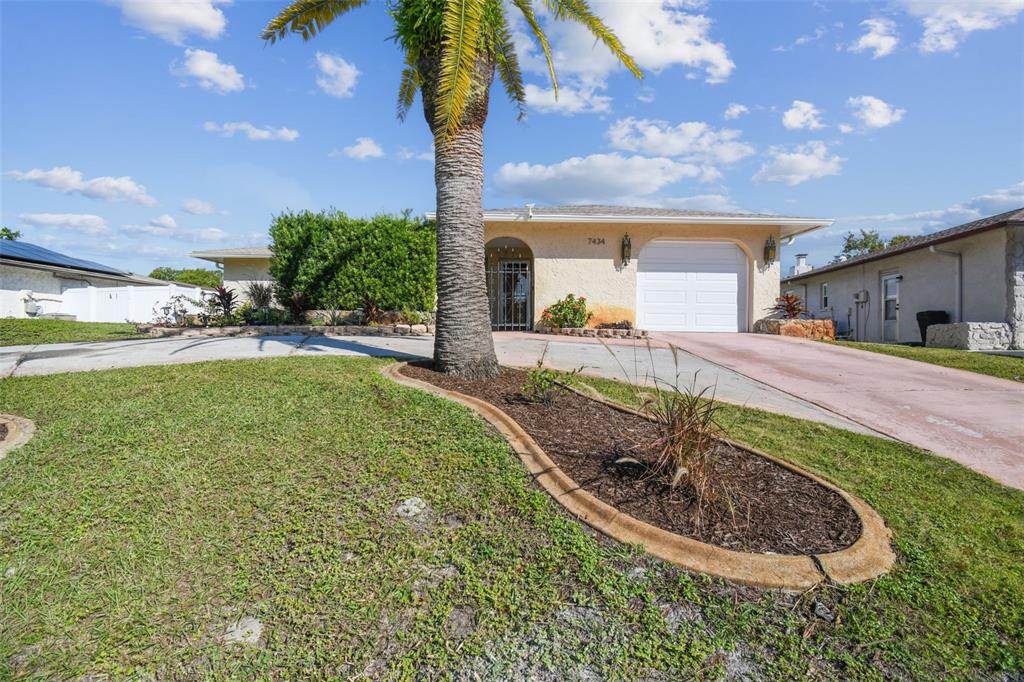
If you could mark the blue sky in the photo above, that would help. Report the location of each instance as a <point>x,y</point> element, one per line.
<point>134,131</point>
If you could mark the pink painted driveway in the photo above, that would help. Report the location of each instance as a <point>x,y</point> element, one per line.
<point>974,419</point>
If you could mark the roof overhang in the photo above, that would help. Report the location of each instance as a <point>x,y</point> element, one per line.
<point>788,227</point>
<point>220,256</point>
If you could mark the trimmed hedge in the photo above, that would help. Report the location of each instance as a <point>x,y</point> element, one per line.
<point>338,262</point>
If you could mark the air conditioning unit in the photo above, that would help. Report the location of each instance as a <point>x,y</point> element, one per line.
<point>860,296</point>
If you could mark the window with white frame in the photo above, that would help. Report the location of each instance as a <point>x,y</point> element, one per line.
<point>824,294</point>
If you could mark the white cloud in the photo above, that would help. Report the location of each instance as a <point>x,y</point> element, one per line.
<point>805,162</point>
<point>693,141</point>
<point>70,181</point>
<point>165,221</point>
<point>701,202</point>
<point>981,206</point>
<point>802,115</point>
<point>364,148</point>
<point>658,34</point>
<point>596,178</point>
<point>947,23</point>
<point>880,37</point>
<point>734,111</point>
<point>571,100</point>
<point>172,21</point>
<point>197,207</point>
<point>846,128</point>
<point>406,154</point>
<point>252,132</point>
<point>86,223</point>
<point>875,113</point>
<point>209,72</point>
<point>818,34</point>
<point>337,77</point>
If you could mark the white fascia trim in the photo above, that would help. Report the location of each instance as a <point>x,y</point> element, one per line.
<point>807,223</point>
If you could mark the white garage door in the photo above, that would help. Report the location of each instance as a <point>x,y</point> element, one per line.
<point>691,286</point>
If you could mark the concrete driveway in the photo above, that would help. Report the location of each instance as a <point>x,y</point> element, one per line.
<point>522,350</point>
<point>974,419</point>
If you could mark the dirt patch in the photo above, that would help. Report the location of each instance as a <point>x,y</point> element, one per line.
<point>3,431</point>
<point>769,508</point>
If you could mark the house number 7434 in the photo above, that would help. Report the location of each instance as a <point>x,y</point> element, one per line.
<point>595,240</point>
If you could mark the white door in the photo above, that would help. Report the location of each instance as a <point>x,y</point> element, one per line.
<point>891,308</point>
<point>691,286</point>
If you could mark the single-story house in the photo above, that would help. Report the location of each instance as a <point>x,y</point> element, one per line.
<point>974,272</point>
<point>35,281</point>
<point>659,269</point>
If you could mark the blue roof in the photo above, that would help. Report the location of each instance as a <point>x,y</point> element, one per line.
<point>18,250</point>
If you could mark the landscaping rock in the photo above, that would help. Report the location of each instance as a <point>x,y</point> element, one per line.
<point>823,612</point>
<point>245,631</point>
<point>804,329</point>
<point>410,508</point>
<point>969,336</point>
<point>419,329</point>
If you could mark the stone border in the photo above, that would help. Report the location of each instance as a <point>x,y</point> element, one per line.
<point>19,431</point>
<point>292,330</point>
<point>593,332</point>
<point>869,557</point>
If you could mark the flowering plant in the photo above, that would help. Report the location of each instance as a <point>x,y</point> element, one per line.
<point>570,312</point>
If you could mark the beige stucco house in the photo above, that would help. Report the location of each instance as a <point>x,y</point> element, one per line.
<point>659,269</point>
<point>974,272</point>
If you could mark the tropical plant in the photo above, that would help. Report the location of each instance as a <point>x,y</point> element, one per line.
<point>225,300</point>
<point>260,294</point>
<point>452,49</point>
<point>8,234</point>
<point>790,306</point>
<point>296,304</point>
<point>569,313</point>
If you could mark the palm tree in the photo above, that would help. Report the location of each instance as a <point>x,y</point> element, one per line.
<point>452,50</point>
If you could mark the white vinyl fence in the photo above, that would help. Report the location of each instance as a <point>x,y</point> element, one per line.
<point>125,304</point>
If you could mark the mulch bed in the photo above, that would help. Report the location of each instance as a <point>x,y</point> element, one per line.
<point>773,509</point>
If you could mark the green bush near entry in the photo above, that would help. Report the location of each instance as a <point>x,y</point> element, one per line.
<point>334,261</point>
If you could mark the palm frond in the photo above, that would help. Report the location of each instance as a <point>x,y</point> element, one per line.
<point>507,63</point>
<point>526,7</point>
<point>307,17</point>
<point>580,12</point>
<point>407,88</point>
<point>460,30</point>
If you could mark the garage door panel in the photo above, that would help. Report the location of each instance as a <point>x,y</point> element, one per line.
<point>691,286</point>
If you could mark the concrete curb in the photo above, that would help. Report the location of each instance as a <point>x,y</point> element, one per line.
<point>869,557</point>
<point>19,431</point>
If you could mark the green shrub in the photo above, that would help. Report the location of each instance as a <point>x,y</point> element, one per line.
<point>569,313</point>
<point>387,262</point>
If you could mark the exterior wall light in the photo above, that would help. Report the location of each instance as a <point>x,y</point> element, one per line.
<point>769,251</point>
<point>627,249</point>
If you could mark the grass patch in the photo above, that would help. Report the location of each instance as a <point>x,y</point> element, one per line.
<point>24,332</point>
<point>157,505</point>
<point>1001,366</point>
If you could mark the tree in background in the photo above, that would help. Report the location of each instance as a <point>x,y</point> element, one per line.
<point>868,241</point>
<point>8,234</point>
<point>194,276</point>
<point>452,50</point>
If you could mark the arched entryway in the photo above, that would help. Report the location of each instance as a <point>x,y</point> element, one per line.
<point>509,265</point>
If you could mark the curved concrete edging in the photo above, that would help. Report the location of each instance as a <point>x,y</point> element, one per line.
<point>869,557</point>
<point>19,430</point>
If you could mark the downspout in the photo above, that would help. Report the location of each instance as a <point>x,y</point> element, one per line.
<point>959,279</point>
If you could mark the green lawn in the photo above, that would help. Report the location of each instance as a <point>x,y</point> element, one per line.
<point>21,332</point>
<point>157,505</point>
<point>1002,366</point>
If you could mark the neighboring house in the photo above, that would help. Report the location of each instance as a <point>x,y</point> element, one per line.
<point>240,266</point>
<point>974,272</point>
<point>659,269</point>
<point>35,282</point>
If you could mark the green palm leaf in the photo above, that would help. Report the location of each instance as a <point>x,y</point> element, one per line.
<point>507,63</point>
<point>580,12</point>
<point>459,49</point>
<point>307,17</point>
<point>407,88</point>
<point>526,7</point>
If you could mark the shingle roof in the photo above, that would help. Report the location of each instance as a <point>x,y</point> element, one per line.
<point>1016,215</point>
<point>30,253</point>
<point>636,211</point>
<point>243,252</point>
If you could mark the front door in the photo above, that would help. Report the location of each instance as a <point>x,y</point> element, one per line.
<point>891,308</point>
<point>509,289</point>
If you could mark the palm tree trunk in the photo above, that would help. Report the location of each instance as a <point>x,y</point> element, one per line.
<point>462,344</point>
<point>462,340</point>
